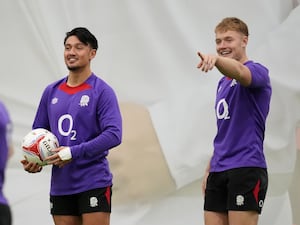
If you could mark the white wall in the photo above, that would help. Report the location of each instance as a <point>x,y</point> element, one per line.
<point>148,54</point>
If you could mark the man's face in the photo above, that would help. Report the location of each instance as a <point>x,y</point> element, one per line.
<point>231,44</point>
<point>77,55</point>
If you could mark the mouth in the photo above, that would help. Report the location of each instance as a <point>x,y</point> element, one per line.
<point>71,60</point>
<point>225,52</point>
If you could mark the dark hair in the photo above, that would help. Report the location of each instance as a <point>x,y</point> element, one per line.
<point>233,24</point>
<point>84,35</point>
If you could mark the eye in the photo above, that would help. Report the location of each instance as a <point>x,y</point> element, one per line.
<point>229,39</point>
<point>67,47</point>
<point>79,46</point>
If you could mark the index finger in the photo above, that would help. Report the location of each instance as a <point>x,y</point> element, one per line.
<point>200,55</point>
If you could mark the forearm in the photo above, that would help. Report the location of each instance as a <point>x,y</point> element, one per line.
<point>234,69</point>
<point>99,145</point>
<point>207,169</point>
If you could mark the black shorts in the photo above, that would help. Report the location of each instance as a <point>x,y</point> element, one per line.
<point>5,215</point>
<point>96,200</point>
<point>241,189</point>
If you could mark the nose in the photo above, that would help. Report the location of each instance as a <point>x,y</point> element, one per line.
<point>221,44</point>
<point>70,51</point>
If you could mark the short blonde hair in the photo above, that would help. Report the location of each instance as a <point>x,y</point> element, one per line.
<point>232,24</point>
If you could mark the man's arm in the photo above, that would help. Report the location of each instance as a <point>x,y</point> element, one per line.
<point>227,66</point>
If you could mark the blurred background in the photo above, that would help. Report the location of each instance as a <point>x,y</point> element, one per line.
<point>148,54</point>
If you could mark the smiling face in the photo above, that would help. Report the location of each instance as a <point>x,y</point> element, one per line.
<point>231,44</point>
<point>232,38</point>
<point>77,55</point>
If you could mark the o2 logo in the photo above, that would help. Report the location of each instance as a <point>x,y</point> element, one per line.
<point>67,118</point>
<point>222,110</point>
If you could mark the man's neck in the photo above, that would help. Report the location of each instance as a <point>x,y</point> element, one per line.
<point>76,78</point>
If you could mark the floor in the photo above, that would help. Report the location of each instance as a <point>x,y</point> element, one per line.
<point>28,196</point>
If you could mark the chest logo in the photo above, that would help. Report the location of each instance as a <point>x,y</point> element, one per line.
<point>54,101</point>
<point>84,101</point>
<point>233,83</point>
<point>222,110</point>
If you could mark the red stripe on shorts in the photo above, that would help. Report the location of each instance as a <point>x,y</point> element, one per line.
<point>256,190</point>
<point>107,195</point>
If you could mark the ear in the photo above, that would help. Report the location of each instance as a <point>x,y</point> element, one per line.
<point>244,41</point>
<point>93,53</point>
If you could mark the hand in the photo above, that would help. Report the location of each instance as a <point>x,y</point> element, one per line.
<point>204,181</point>
<point>31,167</point>
<point>138,165</point>
<point>207,62</point>
<point>57,160</point>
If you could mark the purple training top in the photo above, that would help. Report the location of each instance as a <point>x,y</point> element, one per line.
<point>5,132</point>
<point>87,119</point>
<point>241,117</point>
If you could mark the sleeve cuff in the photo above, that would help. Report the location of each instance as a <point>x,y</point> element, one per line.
<point>65,154</point>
